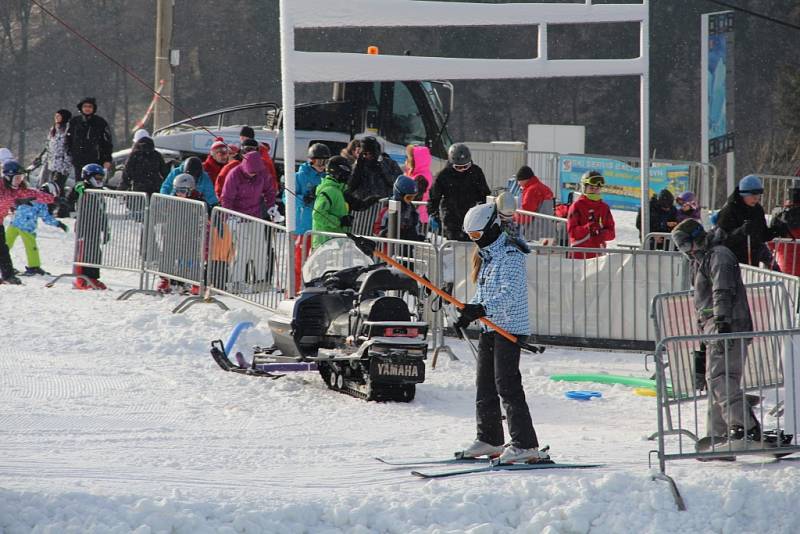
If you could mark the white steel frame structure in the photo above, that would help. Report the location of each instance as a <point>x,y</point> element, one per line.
<point>306,67</point>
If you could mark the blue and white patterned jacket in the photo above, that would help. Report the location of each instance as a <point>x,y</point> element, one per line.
<point>26,217</point>
<point>503,286</point>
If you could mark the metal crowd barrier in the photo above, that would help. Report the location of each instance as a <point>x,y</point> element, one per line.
<point>787,255</point>
<point>501,164</point>
<point>364,221</point>
<point>110,229</point>
<point>776,190</point>
<point>754,275</point>
<point>659,241</point>
<point>538,227</point>
<point>249,259</point>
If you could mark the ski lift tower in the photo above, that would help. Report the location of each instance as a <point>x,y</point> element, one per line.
<point>308,67</point>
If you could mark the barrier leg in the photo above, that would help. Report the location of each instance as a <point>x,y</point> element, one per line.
<point>676,494</point>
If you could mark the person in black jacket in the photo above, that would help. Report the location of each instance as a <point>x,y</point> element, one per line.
<point>458,187</point>
<point>145,169</point>
<point>743,220</point>
<point>374,172</point>
<point>89,137</point>
<point>663,216</point>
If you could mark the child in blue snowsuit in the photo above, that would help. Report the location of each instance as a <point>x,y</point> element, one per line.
<point>27,213</point>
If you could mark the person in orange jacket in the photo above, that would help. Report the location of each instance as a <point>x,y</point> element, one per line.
<point>589,221</point>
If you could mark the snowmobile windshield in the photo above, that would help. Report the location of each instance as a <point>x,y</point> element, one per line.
<point>334,255</point>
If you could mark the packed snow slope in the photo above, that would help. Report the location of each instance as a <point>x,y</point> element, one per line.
<point>113,418</point>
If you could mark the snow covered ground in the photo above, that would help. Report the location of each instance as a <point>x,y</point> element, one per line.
<point>113,418</point>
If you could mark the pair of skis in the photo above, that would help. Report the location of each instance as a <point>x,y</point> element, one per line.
<point>480,465</point>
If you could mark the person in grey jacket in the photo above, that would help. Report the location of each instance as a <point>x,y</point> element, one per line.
<point>721,306</point>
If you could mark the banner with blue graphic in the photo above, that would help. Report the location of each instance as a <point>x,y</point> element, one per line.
<point>623,182</point>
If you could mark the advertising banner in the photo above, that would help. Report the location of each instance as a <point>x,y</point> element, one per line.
<point>718,82</point>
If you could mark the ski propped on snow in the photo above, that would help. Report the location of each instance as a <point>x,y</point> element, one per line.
<point>503,467</point>
<point>225,363</point>
<point>433,461</point>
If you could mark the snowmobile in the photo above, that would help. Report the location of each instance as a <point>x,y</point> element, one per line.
<point>356,326</point>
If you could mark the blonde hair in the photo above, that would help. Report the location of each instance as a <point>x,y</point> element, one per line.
<point>409,158</point>
<point>477,262</point>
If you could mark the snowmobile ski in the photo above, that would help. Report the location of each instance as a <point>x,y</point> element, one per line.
<point>503,467</point>
<point>218,353</point>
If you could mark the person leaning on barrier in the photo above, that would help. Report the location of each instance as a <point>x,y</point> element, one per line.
<point>502,297</point>
<point>536,197</point>
<point>457,188</point>
<point>743,220</point>
<point>91,227</point>
<point>721,306</point>
<point>589,220</point>
<point>192,165</point>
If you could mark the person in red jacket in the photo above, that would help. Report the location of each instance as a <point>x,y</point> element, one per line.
<point>536,196</point>
<point>216,159</point>
<point>589,221</point>
<point>248,133</point>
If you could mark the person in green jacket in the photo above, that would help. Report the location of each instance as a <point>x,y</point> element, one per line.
<point>331,211</point>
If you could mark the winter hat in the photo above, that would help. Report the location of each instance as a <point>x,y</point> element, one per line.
<point>665,199</point>
<point>140,133</point>
<point>218,143</point>
<point>371,145</point>
<point>751,185</point>
<point>253,163</point>
<point>248,145</point>
<point>193,166</point>
<point>248,132</point>
<point>525,173</point>
<point>687,198</point>
<point>88,100</point>
<point>66,115</point>
<point>687,233</point>
<point>404,185</point>
<point>5,155</point>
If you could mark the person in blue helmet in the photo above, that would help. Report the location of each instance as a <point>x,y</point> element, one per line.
<point>404,191</point>
<point>745,225</point>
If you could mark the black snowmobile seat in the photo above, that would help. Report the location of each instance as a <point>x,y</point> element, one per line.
<point>384,309</point>
<point>385,280</point>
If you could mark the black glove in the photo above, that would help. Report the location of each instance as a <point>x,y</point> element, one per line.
<point>779,227</point>
<point>371,200</point>
<point>63,226</point>
<point>309,198</point>
<point>748,228</point>
<point>723,326</point>
<point>469,313</point>
<point>346,221</point>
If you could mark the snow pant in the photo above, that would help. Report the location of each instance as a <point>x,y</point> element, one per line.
<point>88,251</point>
<point>29,240</point>
<point>302,248</point>
<point>726,401</point>
<point>498,377</point>
<point>6,265</point>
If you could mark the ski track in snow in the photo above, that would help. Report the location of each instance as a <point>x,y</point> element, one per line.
<point>114,418</point>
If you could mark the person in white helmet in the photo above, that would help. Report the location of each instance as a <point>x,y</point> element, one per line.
<point>501,296</point>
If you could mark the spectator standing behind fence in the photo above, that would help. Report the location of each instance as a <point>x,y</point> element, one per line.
<point>688,208</point>
<point>145,169</point>
<point>536,197</point>
<point>57,162</point>
<point>249,145</point>
<point>91,226</point>
<point>88,138</point>
<point>331,211</point>
<point>192,165</point>
<point>404,191</point>
<point>263,149</point>
<point>743,220</point>
<point>307,179</point>
<point>663,213</point>
<point>418,166</point>
<point>352,151</point>
<point>457,188</point>
<point>217,158</point>
<point>589,220</point>
<point>27,213</point>
<point>374,172</point>
<point>502,296</point>
<point>13,189</point>
<point>785,223</point>
<point>721,306</point>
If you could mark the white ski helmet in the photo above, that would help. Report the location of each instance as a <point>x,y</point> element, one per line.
<point>506,205</point>
<point>482,224</point>
<point>184,183</point>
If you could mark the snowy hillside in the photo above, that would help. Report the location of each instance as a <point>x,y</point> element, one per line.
<point>113,418</point>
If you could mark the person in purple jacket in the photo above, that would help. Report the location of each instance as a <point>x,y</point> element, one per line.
<point>250,189</point>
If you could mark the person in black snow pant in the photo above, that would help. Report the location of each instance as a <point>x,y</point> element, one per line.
<point>457,188</point>
<point>501,296</point>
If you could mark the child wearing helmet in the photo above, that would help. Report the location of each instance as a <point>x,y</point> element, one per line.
<point>27,213</point>
<point>12,191</point>
<point>589,220</point>
<point>404,191</point>
<point>90,233</point>
<point>502,296</point>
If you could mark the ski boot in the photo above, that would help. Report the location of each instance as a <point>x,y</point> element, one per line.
<point>513,454</point>
<point>164,286</point>
<point>34,271</point>
<point>11,280</point>
<point>480,448</point>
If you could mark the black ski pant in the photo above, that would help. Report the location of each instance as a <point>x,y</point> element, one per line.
<point>6,265</point>
<point>498,377</point>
